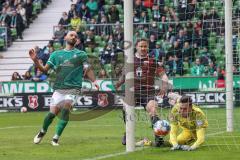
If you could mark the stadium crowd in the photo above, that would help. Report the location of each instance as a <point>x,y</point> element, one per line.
<point>187,36</point>
<point>16,15</point>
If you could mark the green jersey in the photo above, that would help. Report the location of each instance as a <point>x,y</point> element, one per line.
<point>68,67</point>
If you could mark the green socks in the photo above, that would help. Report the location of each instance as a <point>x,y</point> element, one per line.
<point>47,121</point>
<point>64,117</point>
<point>60,127</point>
<point>63,120</point>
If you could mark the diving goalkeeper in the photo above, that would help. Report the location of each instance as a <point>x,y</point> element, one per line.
<point>190,119</point>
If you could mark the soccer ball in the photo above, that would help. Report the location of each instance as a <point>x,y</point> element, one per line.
<point>161,128</point>
<point>23,109</point>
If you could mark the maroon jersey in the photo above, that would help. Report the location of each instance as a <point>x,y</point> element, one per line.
<point>145,71</point>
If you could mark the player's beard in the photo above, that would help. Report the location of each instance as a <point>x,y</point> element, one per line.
<point>71,42</point>
<point>143,54</point>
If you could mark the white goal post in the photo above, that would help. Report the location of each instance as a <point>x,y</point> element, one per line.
<point>229,64</point>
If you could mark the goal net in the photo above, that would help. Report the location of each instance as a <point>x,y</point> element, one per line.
<point>187,39</point>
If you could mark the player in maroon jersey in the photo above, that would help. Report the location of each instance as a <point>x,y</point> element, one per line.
<point>145,71</point>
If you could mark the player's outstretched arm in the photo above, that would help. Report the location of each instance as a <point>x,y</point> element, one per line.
<point>173,137</point>
<point>165,86</point>
<point>33,56</point>
<point>200,139</point>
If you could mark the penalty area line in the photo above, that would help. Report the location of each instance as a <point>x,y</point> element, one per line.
<point>114,154</point>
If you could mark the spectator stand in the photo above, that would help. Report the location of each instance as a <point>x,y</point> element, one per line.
<point>102,42</point>
<point>3,38</point>
<point>24,11</point>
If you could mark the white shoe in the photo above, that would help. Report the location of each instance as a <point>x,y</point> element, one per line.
<point>54,142</point>
<point>38,138</point>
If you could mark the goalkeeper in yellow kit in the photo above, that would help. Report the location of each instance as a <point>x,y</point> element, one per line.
<point>191,119</point>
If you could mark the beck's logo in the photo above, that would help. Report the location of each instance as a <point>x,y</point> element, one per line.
<point>103,99</point>
<point>33,101</point>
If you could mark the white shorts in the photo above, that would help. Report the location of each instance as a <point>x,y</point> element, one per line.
<point>58,99</point>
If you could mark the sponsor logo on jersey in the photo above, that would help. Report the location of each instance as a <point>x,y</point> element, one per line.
<point>199,122</point>
<point>139,72</point>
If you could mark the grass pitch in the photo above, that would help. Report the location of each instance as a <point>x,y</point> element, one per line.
<point>100,138</point>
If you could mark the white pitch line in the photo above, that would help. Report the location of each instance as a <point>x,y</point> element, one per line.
<point>107,156</point>
<point>16,127</point>
<point>93,125</point>
<point>213,134</point>
<point>114,154</point>
<point>207,145</point>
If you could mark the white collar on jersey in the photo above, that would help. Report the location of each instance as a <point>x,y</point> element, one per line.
<point>68,50</point>
<point>139,56</point>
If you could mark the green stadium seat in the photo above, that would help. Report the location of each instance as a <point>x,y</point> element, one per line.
<point>96,54</point>
<point>212,40</point>
<point>238,47</point>
<point>237,3</point>
<point>150,14</point>
<point>2,44</point>
<point>108,69</point>
<point>200,51</point>
<point>88,50</point>
<point>221,39</point>
<point>98,39</point>
<point>171,5</point>
<point>102,44</point>
<point>213,34</point>
<point>186,67</point>
<point>35,9</point>
<point>120,57</point>
<point>97,49</point>
<point>110,2</point>
<point>167,2</point>
<point>57,46</point>
<point>218,5</point>
<point>221,14</point>
<point>106,7</point>
<point>14,32</point>
<point>119,7</point>
<point>166,46</point>
<point>121,17</point>
<point>218,53</point>
<point>38,7</point>
<point>120,11</point>
<point>206,5</point>
<point>198,5</point>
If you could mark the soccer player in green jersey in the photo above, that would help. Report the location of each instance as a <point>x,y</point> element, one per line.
<point>70,65</point>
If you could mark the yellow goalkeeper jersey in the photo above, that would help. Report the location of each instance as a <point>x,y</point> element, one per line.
<point>196,123</point>
<point>196,119</point>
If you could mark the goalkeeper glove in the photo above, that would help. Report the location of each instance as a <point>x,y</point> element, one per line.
<point>192,148</point>
<point>185,147</point>
<point>175,147</point>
